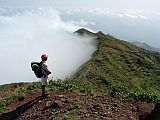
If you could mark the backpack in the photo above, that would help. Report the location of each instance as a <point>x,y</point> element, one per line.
<point>37,68</point>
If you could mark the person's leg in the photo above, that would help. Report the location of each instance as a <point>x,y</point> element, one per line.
<point>43,90</point>
<point>44,84</point>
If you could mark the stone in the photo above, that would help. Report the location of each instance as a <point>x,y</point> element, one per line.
<point>105,115</point>
<point>63,100</point>
<point>54,104</point>
<point>60,96</point>
<point>134,109</point>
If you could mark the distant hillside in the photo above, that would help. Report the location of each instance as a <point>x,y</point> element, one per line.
<point>122,65</point>
<point>145,46</point>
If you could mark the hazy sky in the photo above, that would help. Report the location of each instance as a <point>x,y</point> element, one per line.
<point>26,34</point>
<point>143,5</point>
<point>52,23</point>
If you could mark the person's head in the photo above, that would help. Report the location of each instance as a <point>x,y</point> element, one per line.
<point>44,57</point>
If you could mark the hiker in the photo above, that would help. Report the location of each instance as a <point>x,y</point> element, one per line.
<point>45,72</point>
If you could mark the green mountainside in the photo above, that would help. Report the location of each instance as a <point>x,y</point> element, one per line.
<point>116,66</point>
<point>117,63</point>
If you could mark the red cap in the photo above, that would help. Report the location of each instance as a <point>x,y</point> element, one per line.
<point>44,56</point>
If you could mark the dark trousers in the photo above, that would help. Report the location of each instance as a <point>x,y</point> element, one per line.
<point>43,90</point>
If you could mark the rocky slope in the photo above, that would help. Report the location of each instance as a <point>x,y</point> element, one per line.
<point>64,105</point>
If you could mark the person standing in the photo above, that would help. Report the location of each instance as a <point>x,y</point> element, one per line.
<point>45,72</point>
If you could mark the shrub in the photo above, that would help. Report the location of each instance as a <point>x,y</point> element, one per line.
<point>143,96</point>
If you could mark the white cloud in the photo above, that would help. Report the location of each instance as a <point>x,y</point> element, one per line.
<point>130,16</point>
<point>27,34</point>
<point>144,17</point>
<point>133,14</point>
<point>82,22</point>
<point>120,15</point>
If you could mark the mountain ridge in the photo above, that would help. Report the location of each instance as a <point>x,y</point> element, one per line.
<point>120,81</point>
<point>118,61</point>
<point>145,46</point>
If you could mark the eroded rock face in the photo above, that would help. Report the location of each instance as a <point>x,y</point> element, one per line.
<point>144,109</point>
<point>155,114</point>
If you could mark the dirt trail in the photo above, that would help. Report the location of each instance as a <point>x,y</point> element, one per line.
<point>63,104</point>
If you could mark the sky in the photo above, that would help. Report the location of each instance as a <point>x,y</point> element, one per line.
<point>144,5</point>
<point>27,34</point>
<point>29,28</point>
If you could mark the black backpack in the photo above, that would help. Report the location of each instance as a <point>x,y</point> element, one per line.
<point>37,68</point>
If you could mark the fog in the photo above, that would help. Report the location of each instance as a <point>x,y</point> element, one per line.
<point>130,25</point>
<point>29,28</point>
<point>26,34</point>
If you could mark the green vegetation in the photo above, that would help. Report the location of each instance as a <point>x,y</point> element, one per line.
<point>118,66</point>
<point>71,114</point>
<point>10,87</point>
<point>143,96</point>
<point>19,93</point>
<point>75,108</point>
<point>71,85</point>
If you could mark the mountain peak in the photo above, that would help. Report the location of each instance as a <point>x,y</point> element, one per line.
<point>83,31</point>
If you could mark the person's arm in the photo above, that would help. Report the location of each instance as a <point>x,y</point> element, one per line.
<point>45,68</point>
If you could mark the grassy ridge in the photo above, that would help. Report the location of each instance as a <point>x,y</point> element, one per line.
<point>119,63</point>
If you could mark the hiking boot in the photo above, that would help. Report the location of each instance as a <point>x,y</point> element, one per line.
<point>45,96</point>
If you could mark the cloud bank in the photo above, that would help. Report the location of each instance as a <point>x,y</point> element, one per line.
<point>124,24</point>
<point>26,34</point>
<point>107,11</point>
